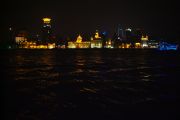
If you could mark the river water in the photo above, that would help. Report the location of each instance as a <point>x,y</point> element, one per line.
<point>89,84</point>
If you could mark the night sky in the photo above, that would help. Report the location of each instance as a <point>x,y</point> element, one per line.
<point>85,16</point>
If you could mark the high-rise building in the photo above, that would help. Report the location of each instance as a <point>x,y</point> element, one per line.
<point>46,31</point>
<point>128,34</point>
<point>119,41</point>
<point>120,33</point>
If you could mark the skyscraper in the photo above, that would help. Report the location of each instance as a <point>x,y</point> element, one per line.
<point>46,31</point>
<point>120,33</point>
<point>119,37</point>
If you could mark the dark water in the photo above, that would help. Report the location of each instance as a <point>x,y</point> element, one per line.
<point>89,84</point>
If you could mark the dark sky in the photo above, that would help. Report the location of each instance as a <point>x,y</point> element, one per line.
<point>85,16</point>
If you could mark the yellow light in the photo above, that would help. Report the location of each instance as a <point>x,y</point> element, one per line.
<point>92,38</point>
<point>79,39</point>
<point>97,35</point>
<point>137,45</point>
<point>144,38</point>
<point>42,46</point>
<point>51,46</point>
<point>47,20</point>
<point>128,45</point>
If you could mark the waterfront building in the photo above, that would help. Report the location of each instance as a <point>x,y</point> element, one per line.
<point>21,38</point>
<point>79,43</point>
<point>144,41</point>
<point>47,38</point>
<point>137,45</point>
<point>46,31</point>
<point>153,44</point>
<point>96,41</point>
<point>108,44</point>
<point>123,38</point>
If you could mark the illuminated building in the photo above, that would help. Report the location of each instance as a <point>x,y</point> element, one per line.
<point>120,33</point>
<point>96,41</point>
<point>109,44</point>
<point>79,43</point>
<point>128,34</point>
<point>119,40</point>
<point>51,45</point>
<point>124,39</point>
<point>125,45</point>
<point>137,45</point>
<point>47,38</point>
<point>153,44</point>
<point>21,39</point>
<point>61,43</point>
<point>144,41</point>
<point>46,31</point>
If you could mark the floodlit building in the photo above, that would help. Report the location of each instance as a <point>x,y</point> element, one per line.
<point>96,41</point>
<point>137,45</point>
<point>47,39</point>
<point>109,44</point>
<point>20,39</point>
<point>79,43</point>
<point>123,38</point>
<point>144,41</point>
<point>46,31</point>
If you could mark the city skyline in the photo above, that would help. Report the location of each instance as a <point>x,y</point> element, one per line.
<point>74,17</point>
<point>123,38</point>
<point>90,59</point>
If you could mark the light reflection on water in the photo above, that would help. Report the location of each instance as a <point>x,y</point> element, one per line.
<point>51,84</point>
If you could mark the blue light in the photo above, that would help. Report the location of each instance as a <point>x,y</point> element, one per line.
<point>104,33</point>
<point>166,46</point>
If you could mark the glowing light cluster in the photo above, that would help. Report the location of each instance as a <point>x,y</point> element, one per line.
<point>97,35</point>
<point>47,20</point>
<point>145,38</point>
<point>79,39</point>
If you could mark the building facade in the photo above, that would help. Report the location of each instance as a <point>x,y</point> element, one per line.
<point>79,43</point>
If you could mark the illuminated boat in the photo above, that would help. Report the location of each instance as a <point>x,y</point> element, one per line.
<point>167,46</point>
